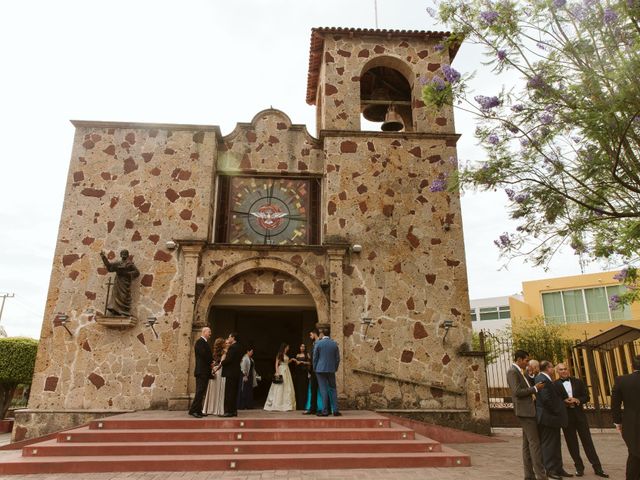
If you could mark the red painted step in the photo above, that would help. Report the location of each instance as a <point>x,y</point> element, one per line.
<point>229,462</point>
<point>167,441</point>
<point>218,434</point>
<point>53,448</point>
<point>224,423</point>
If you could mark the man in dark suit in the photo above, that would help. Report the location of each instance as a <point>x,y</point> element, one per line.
<point>326,359</point>
<point>313,380</point>
<point>552,416</point>
<point>231,372</point>
<point>575,395</point>
<point>202,372</point>
<point>626,391</point>
<point>523,397</point>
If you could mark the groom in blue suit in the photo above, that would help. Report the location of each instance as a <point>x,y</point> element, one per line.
<point>326,359</point>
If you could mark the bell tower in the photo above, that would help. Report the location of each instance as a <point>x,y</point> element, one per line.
<point>387,159</point>
<point>376,75</point>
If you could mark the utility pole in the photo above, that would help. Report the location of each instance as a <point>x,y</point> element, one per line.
<point>4,296</point>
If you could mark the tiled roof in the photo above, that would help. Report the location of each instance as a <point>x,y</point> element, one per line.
<point>317,43</point>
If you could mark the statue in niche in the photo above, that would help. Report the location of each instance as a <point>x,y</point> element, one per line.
<point>119,302</point>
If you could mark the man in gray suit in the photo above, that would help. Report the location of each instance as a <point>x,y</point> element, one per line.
<point>326,358</point>
<point>523,397</point>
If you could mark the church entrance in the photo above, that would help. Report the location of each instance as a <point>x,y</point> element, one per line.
<point>265,328</point>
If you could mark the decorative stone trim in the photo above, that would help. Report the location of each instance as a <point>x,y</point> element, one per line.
<point>438,385</point>
<point>116,322</point>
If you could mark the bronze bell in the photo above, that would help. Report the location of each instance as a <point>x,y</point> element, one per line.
<point>375,112</point>
<point>392,121</point>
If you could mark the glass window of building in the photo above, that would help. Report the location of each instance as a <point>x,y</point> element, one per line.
<point>583,305</point>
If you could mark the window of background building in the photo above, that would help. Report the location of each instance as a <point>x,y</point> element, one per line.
<point>495,313</point>
<point>584,305</point>
<point>473,315</point>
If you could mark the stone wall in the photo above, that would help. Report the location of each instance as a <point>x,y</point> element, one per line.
<point>133,187</point>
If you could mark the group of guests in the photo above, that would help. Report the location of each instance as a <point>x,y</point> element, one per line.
<point>544,407</point>
<point>226,376</point>
<point>315,378</point>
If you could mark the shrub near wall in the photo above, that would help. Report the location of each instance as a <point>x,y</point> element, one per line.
<point>17,359</point>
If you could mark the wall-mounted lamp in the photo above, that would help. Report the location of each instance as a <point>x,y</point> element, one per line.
<point>366,321</point>
<point>62,319</point>
<point>151,321</point>
<point>356,248</point>
<point>325,286</point>
<point>447,325</point>
<point>171,245</point>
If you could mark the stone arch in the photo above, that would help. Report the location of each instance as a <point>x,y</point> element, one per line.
<point>203,305</point>
<point>390,62</point>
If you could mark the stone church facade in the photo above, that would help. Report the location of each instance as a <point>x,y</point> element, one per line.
<point>269,223</point>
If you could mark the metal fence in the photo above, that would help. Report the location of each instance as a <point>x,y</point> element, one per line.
<point>597,368</point>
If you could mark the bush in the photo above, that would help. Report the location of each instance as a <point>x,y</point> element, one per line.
<point>17,360</point>
<point>542,342</point>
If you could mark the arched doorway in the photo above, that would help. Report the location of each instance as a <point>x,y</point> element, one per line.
<point>265,306</point>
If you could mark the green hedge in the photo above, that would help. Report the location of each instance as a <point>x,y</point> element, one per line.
<point>17,360</point>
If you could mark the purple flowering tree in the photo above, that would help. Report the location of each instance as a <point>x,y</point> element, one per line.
<point>564,140</point>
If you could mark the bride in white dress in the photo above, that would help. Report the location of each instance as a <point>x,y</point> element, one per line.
<point>282,396</point>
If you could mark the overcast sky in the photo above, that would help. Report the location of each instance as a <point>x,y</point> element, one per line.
<point>207,62</point>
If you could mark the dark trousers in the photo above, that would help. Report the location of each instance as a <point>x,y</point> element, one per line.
<point>326,381</point>
<point>313,401</point>
<point>579,427</point>
<point>633,467</point>
<point>531,455</point>
<point>550,446</point>
<point>201,388</point>
<point>231,395</point>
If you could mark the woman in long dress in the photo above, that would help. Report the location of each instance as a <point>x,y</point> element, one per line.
<point>282,396</point>
<point>301,376</point>
<point>214,399</point>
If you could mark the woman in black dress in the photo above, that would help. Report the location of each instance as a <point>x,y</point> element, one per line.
<point>301,377</point>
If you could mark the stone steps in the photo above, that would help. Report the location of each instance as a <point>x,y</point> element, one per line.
<point>149,442</point>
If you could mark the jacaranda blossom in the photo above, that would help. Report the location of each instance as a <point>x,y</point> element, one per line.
<point>621,276</point>
<point>438,48</point>
<point>517,107</point>
<point>610,16</point>
<point>614,302</point>
<point>451,75</point>
<point>502,55</point>
<point>503,241</point>
<point>438,83</point>
<point>493,139</point>
<point>487,103</point>
<point>546,118</point>
<point>489,17</point>
<point>535,82</point>
<point>559,3</point>
<point>438,185</point>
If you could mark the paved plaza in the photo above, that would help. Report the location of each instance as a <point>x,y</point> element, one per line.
<point>490,461</point>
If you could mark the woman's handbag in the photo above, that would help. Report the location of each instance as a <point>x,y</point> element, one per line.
<point>277,379</point>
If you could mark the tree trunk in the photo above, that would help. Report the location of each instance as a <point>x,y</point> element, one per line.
<point>6,395</point>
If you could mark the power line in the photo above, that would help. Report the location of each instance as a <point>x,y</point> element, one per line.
<point>4,296</point>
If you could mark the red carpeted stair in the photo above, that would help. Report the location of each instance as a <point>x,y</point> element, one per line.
<point>256,440</point>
